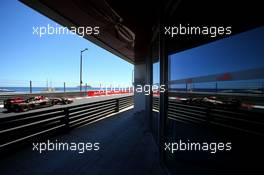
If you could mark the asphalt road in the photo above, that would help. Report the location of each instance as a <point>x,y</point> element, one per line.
<point>77,101</point>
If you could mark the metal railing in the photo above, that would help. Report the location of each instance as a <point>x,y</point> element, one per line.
<point>34,125</point>
<point>250,122</point>
<point>38,86</point>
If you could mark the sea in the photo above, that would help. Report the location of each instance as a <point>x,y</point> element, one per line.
<point>4,90</point>
<point>42,89</point>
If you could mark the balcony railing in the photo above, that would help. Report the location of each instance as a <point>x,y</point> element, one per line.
<point>247,121</point>
<point>35,125</point>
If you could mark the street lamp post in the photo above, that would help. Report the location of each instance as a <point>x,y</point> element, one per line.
<point>81,69</point>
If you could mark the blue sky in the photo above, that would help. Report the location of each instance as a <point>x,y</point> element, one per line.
<point>238,52</point>
<point>25,56</point>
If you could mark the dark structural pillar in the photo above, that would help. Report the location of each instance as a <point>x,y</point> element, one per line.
<point>149,81</point>
<point>163,103</point>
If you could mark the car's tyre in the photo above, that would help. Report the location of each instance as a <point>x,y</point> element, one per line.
<point>24,108</point>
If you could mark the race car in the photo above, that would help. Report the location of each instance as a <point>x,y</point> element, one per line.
<point>228,103</point>
<point>38,102</point>
<point>206,101</point>
<point>61,101</point>
<point>15,104</point>
<point>20,105</point>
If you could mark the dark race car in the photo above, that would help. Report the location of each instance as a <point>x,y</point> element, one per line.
<point>61,101</point>
<point>38,102</point>
<point>228,103</point>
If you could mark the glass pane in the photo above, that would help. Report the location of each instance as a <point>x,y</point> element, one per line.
<point>216,97</point>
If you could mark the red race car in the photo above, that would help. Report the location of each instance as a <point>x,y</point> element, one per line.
<point>20,105</point>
